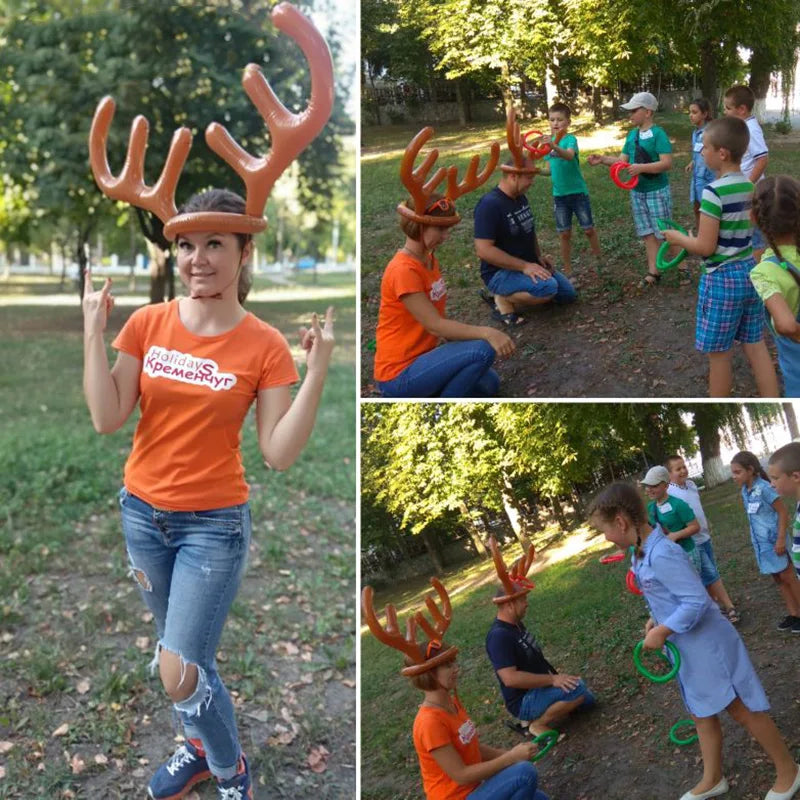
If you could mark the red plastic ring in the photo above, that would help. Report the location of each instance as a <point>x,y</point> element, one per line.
<point>630,582</point>
<point>616,168</point>
<point>613,558</point>
<point>536,151</point>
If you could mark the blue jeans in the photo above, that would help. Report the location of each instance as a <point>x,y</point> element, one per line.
<point>454,369</point>
<point>517,782</point>
<point>537,701</point>
<point>557,288</point>
<point>189,566</point>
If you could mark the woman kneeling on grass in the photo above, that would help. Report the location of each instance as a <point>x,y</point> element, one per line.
<point>453,763</point>
<point>195,366</point>
<point>411,320</point>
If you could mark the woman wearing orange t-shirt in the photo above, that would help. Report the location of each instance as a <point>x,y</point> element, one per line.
<point>195,366</point>
<point>409,359</point>
<point>453,763</point>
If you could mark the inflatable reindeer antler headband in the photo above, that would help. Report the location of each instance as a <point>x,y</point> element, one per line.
<point>515,583</point>
<point>391,636</point>
<point>290,135</point>
<point>421,191</point>
<point>522,166</point>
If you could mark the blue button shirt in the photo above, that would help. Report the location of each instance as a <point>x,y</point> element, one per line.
<point>715,666</point>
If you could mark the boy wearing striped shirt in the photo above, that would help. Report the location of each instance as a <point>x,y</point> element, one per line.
<point>728,308</point>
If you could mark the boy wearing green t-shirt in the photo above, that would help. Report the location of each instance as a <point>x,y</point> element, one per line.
<point>570,193</point>
<point>648,151</point>
<point>675,516</point>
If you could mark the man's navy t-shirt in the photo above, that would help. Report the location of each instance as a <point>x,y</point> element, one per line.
<point>508,222</point>
<point>513,646</point>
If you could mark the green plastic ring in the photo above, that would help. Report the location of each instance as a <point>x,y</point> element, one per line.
<point>676,657</point>
<point>551,737</point>
<point>680,742</point>
<point>661,264</point>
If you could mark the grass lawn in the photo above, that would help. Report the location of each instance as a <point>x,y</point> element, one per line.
<point>585,345</point>
<point>75,636</point>
<point>587,624</point>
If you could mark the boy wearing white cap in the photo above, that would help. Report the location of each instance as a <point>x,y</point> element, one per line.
<point>674,515</point>
<point>648,151</point>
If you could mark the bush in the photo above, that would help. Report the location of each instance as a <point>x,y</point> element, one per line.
<point>783,127</point>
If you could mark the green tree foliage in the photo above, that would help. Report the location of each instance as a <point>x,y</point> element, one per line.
<point>423,461</point>
<point>176,63</point>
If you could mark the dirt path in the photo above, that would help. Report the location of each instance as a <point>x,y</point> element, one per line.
<point>617,340</point>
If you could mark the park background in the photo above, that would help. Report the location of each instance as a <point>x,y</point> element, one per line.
<point>458,66</point>
<point>438,479</point>
<point>80,715</point>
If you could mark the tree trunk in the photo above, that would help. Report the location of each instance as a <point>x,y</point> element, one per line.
<point>433,551</point>
<point>375,100</point>
<point>474,534</point>
<point>761,67</point>
<point>158,272</point>
<point>508,97</point>
<point>709,72</point>
<point>791,420</point>
<point>597,104</point>
<point>462,114</point>
<point>558,510</point>
<point>513,511</point>
<point>708,437</point>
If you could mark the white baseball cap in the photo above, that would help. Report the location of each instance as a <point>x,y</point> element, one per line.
<point>641,100</point>
<point>655,475</point>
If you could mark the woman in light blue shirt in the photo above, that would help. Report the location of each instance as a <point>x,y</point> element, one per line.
<point>716,673</point>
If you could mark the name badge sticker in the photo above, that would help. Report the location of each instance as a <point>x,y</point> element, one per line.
<point>666,507</point>
<point>698,146</point>
<point>648,134</point>
<point>752,508</point>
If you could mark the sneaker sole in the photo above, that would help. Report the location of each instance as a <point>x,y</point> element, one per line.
<point>201,776</point>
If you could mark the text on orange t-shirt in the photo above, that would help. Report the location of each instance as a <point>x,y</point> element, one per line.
<point>399,337</point>
<point>194,393</point>
<point>434,728</point>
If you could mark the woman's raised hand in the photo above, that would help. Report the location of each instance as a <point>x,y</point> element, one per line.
<point>318,342</point>
<point>97,305</point>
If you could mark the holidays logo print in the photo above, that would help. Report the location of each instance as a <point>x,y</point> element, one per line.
<point>162,363</point>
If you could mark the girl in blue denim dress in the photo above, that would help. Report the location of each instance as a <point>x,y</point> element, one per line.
<point>769,522</point>
<point>715,674</point>
<point>699,114</point>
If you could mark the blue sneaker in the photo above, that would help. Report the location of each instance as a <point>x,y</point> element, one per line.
<point>175,778</point>
<point>239,786</point>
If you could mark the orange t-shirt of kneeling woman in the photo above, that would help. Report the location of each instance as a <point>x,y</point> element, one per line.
<point>434,728</point>
<point>399,337</point>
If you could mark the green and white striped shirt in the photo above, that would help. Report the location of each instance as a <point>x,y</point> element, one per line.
<point>729,200</point>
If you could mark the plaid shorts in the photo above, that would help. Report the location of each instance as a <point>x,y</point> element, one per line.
<point>648,208</point>
<point>728,309</point>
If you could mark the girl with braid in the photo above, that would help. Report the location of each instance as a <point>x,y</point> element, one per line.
<point>776,211</point>
<point>769,522</point>
<point>715,673</point>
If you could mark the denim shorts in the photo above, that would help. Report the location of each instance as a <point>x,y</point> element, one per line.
<point>537,701</point>
<point>565,205</point>
<point>708,565</point>
<point>506,282</point>
<point>648,208</point>
<point>188,566</point>
<point>728,309</point>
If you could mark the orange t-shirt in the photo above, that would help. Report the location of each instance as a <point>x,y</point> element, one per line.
<point>433,728</point>
<point>399,337</point>
<point>194,394</point>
